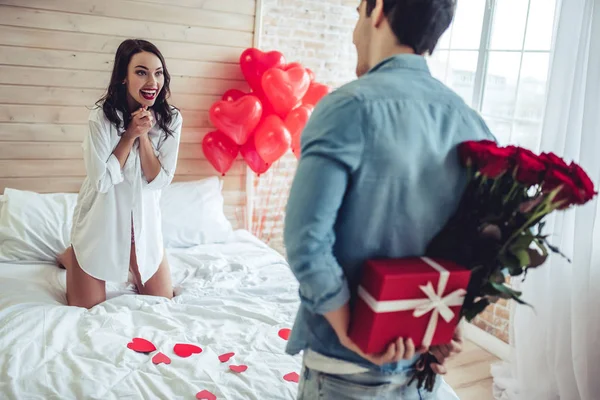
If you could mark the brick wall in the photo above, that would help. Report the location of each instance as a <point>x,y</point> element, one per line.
<point>318,33</point>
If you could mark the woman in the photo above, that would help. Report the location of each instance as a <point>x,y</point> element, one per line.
<point>130,155</point>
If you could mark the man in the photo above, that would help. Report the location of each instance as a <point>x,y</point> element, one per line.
<point>379,176</point>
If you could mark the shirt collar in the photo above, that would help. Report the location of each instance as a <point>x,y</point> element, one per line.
<point>402,61</point>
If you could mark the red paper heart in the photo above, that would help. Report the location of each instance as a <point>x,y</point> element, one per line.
<point>295,123</point>
<point>285,89</point>
<point>257,164</point>
<point>238,368</point>
<point>161,358</point>
<point>186,350</point>
<point>272,139</point>
<point>233,95</point>
<point>315,93</point>
<point>141,345</point>
<point>219,150</point>
<point>237,119</point>
<point>205,395</point>
<point>292,377</point>
<point>225,357</point>
<point>285,333</point>
<point>254,63</point>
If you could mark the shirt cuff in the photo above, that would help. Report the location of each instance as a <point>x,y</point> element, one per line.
<point>330,302</point>
<point>114,170</point>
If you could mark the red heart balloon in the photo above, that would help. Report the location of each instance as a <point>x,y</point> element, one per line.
<point>141,345</point>
<point>253,159</point>
<point>233,95</point>
<point>219,150</point>
<point>291,65</point>
<point>254,63</point>
<point>237,119</point>
<point>295,123</point>
<point>315,93</point>
<point>285,89</point>
<point>272,139</point>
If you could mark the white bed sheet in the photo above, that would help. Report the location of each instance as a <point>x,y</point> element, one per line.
<point>231,297</point>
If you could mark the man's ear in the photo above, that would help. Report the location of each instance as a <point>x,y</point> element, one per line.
<point>377,16</point>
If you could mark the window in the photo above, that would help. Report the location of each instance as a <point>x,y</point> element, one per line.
<point>496,56</point>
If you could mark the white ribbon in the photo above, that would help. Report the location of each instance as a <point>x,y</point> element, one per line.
<point>436,302</point>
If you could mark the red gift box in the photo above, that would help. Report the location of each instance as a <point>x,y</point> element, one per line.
<point>416,298</point>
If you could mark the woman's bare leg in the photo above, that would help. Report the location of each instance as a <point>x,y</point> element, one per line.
<point>83,290</point>
<point>160,284</point>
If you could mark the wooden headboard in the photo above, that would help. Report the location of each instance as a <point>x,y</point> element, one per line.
<point>55,63</point>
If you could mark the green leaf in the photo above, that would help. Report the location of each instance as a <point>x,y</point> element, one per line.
<point>477,308</point>
<point>502,288</point>
<point>524,258</point>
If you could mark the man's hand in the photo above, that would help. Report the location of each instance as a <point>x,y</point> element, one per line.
<point>399,350</point>
<point>443,352</point>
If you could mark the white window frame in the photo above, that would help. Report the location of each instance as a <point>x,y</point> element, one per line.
<point>484,52</point>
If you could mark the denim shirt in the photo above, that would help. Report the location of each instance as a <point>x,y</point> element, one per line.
<point>379,176</point>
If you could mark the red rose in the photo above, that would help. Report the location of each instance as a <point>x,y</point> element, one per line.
<point>569,192</point>
<point>583,183</point>
<point>470,152</point>
<point>495,161</point>
<point>553,161</point>
<point>530,168</point>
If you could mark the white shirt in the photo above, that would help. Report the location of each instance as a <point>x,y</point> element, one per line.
<point>110,197</point>
<point>319,362</point>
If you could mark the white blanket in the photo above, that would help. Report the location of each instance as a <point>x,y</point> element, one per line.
<point>232,297</point>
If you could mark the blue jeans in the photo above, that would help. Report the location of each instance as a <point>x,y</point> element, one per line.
<point>315,385</point>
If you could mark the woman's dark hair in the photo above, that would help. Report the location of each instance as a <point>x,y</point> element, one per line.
<point>115,98</point>
<point>418,24</point>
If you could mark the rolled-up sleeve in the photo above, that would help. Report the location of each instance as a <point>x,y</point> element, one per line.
<point>102,167</point>
<point>332,147</point>
<point>167,155</point>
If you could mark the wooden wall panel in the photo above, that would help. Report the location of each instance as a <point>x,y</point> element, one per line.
<point>55,63</point>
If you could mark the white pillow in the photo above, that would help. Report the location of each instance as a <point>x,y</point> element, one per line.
<point>33,226</point>
<point>192,214</point>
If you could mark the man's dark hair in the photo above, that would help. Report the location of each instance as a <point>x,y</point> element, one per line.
<point>418,24</point>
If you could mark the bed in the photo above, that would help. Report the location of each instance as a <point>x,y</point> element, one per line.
<point>234,294</point>
<point>230,297</point>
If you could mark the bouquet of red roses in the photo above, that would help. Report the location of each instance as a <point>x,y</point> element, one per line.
<point>498,227</point>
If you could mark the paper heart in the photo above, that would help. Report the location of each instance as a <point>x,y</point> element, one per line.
<point>254,63</point>
<point>186,350</point>
<point>225,357</point>
<point>219,150</point>
<point>315,93</point>
<point>272,139</point>
<point>237,119</point>
<point>285,89</point>
<point>253,159</point>
<point>141,345</point>
<point>292,377</point>
<point>161,358</point>
<point>238,368</point>
<point>285,333</point>
<point>205,395</point>
<point>233,95</point>
<point>295,123</point>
